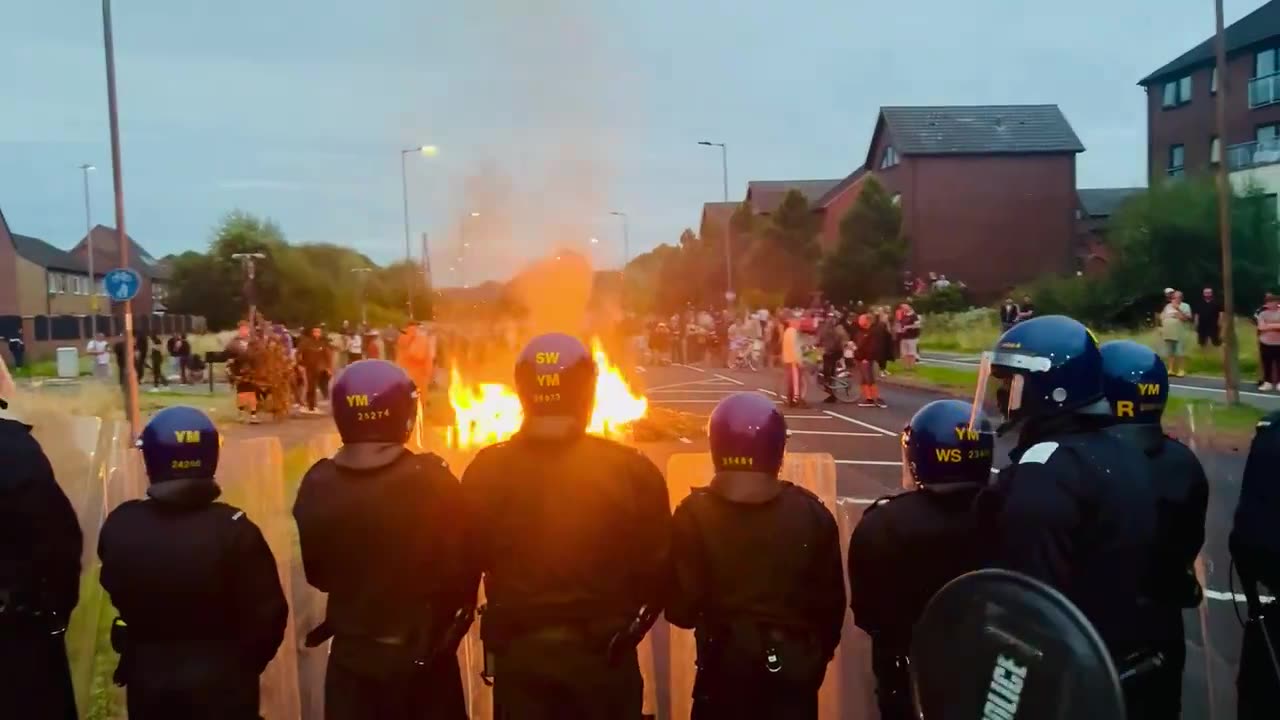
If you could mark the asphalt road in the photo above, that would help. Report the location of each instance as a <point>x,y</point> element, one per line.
<point>864,443</point>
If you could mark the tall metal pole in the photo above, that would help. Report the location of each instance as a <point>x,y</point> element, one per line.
<point>364,318</point>
<point>728,232</point>
<point>1230,359</point>
<point>131,378</point>
<point>88,239</point>
<point>408,259</point>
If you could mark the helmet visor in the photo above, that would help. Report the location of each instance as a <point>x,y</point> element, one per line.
<point>999,394</point>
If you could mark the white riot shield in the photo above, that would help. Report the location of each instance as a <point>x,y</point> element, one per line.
<point>251,474</point>
<point>309,604</point>
<point>816,472</point>
<point>1213,632</point>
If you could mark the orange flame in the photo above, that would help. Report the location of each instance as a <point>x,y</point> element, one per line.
<point>490,412</point>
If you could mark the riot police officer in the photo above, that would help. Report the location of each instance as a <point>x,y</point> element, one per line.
<point>201,608</point>
<point>1075,508</point>
<point>1137,387</point>
<point>759,576</point>
<point>40,546</point>
<point>1255,548</point>
<point>572,532</point>
<point>381,531</point>
<point>932,530</point>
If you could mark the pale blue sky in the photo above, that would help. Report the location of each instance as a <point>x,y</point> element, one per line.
<point>546,120</point>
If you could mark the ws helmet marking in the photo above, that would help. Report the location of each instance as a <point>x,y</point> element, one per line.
<point>374,401</point>
<point>556,377</point>
<point>1136,382</point>
<point>180,443</point>
<point>939,447</point>
<point>1045,366</point>
<point>747,433</point>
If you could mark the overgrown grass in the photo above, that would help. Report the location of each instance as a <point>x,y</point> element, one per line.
<point>977,330</point>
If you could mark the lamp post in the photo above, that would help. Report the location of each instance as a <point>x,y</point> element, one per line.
<point>247,261</point>
<point>364,319</point>
<point>626,237</point>
<point>88,239</point>
<point>427,151</point>
<point>113,116</point>
<point>464,244</point>
<point>728,231</point>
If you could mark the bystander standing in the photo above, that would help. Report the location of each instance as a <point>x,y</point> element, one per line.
<point>1269,343</point>
<point>1026,309</point>
<point>1174,320</point>
<point>18,349</point>
<point>1208,317</point>
<point>1008,314</point>
<point>99,356</point>
<point>909,345</point>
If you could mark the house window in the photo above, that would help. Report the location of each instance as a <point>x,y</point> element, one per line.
<point>890,158</point>
<point>1267,133</point>
<point>1264,63</point>
<point>102,286</point>
<point>1215,150</point>
<point>53,282</point>
<point>1177,92</point>
<point>1177,158</point>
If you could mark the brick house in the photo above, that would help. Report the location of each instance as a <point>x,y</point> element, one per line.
<point>1182,128</point>
<point>1093,219</point>
<point>988,192</point>
<point>106,256</point>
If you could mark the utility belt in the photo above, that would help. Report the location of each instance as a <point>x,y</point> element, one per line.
<point>28,609</point>
<point>190,663</point>
<point>762,653</point>
<point>595,627</point>
<point>412,648</point>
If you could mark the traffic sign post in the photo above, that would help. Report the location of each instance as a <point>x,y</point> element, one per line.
<point>122,284</point>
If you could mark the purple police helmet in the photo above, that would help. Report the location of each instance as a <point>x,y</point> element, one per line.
<point>179,443</point>
<point>556,378</point>
<point>374,401</point>
<point>747,433</point>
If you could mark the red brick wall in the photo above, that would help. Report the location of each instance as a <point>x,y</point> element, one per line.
<point>8,274</point>
<point>834,212</point>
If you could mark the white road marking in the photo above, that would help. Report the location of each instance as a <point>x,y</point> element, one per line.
<point>732,380</point>
<point>686,440</point>
<point>855,500</point>
<point>1237,597</point>
<point>767,392</point>
<point>833,432</point>
<point>868,426</point>
<point>704,383</point>
<point>664,401</point>
<point>689,367</point>
<point>640,369</point>
<point>870,462</point>
<point>687,390</point>
<point>807,417</point>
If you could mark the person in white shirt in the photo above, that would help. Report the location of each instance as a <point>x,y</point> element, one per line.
<point>97,350</point>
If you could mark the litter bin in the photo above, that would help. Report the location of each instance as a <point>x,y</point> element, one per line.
<point>68,362</point>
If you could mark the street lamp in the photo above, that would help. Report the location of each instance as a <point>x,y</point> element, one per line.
<point>595,240</point>
<point>247,261</point>
<point>425,151</point>
<point>462,239</point>
<point>88,239</point>
<point>364,320</point>
<point>626,237</point>
<point>724,177</point>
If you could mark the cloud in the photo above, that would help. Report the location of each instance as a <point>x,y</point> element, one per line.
<point>258,184</point>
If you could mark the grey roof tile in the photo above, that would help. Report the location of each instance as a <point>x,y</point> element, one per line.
<point>980,129</point>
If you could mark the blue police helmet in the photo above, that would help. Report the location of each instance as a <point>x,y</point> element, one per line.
<point>747,433</point>
<point>1135,380</point>
<point>940,448</point>
<point>178,443</point>
<point>1059,364</point>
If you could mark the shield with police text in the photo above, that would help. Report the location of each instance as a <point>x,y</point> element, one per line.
<point>996,644</point>
<point>816,472</point>
<point>856,675</point>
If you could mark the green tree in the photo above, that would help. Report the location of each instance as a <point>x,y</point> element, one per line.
<point>783,253</point>
<point>869,258</point>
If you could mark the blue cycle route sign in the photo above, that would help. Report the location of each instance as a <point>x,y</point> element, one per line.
<point>122,284</point>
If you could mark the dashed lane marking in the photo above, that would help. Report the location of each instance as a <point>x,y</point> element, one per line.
<point>685,440</point>
<point>834,432</point>
<point>664,401</point>
<point>889,463</point>
<point>640,369</point>
<point>725,391</point>
<point>689,367</point>
<point>767,392</point>
<point>866,425</point>
<point>689,383</point>
<point>732,380</point>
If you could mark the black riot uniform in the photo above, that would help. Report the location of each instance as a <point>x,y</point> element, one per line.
<point>1255,548</point>
<point>758,575</point>
<point>1137,388</point>
<point>40,546</point>
<point>1075,508</point>
<point>201,609</point>
<point>573,535</point>
<point>906,547</point>
<point>381,530</point>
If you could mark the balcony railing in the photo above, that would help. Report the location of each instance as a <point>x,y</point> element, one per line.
<point>1260,152</point>
<point>1264,90</point>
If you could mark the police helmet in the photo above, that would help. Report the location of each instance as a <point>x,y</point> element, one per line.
<point>179,443</point>
<point>1042,367</point>
<point>374,401</point>
<point>747,433</point>
<point>1135,380</point>
<point>939,447</point>
<point>556,378</point>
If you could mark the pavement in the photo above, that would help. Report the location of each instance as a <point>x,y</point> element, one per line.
<point>1191,387</point>
<point>865,445</point>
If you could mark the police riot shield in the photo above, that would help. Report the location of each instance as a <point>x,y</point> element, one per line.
<point>996,644</point>
<point>1213,630</point>
<point>815,472</point>
<point>251,474</point>
<point>309,604</point>
<point>857,677</point>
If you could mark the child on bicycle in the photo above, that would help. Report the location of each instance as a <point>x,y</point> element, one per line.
<point>865,354</point>
<point>832,338</point>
